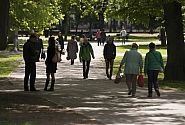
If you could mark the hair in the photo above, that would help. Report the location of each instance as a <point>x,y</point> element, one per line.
<point>134,45</point>
<point>152,45</point>
<point>73,36</point>
<point>51,41</point>
<point>83,36</point>
<point>32,36</point>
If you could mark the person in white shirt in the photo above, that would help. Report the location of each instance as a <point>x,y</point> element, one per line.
<point>123,35</point>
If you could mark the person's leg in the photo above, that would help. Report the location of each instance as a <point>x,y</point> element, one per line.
<point>47,81</point>
<point>26,77</point>
<point>111,68</point>
<point>87,70</point>
<point>156,87</point>
<point>84,68</point>
<point>150,81</point>
<point>52,82</point>
<point>134,78</point>
<point>107,68</point>
<point>32,76</point>
<point>98,41</point>
<point>128,82</point>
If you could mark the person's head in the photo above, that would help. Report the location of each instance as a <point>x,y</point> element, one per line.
<point>83,35</point>
<point>134,45</point>
<point>85,40</point>
<point>51,41</point>
<point>110,40</point>
<point>151,46</point>
<point>38,35</point>
<point>32,38</point>
<point>73,37</point>
<point>103,29</point>
<point>59,34</point>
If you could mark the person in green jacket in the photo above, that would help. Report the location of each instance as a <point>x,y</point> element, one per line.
<point>86,51</point>
<point>153,63</point>
<point>133,66</point>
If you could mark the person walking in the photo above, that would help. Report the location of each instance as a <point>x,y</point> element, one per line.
<point>86,51</point>
<point>38,46</point>
<point>29,55</point>
<point>61,42</point>
<point>133,66</point>
<point>72,49</point>
<point>153,63</point>
<point>103,36</point>
<point>123,34</point>
<point>109,53</point>
<point>98,36</point>
<point>51,66</point>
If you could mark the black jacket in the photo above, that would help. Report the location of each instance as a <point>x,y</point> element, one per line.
<point>50,54</point>
<point>61,41</point>
<point>29,52</point>
<point>109,51</point>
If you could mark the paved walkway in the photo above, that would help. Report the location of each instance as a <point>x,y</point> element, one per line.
<point>100,98</point>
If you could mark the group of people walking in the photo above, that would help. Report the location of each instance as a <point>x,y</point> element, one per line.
<point>132,61</point>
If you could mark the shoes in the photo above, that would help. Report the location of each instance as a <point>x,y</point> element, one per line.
<point>149,95</point>
<point>133,96</point>
<point>34,89</point>
<point>158,93</point>
<point>129,93</point>
<point>51,89</point>
<point>26,90</point>
<point>108,76</point>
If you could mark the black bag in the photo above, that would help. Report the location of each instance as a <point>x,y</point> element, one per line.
<point>43,55</point>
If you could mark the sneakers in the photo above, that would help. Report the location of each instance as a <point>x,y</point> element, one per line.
<point>149,95</point>
<point>130,92</point>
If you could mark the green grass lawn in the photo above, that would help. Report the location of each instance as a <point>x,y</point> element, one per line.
<point>8,63</point>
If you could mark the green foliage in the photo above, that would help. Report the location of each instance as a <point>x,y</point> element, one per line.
<point>31,14</point>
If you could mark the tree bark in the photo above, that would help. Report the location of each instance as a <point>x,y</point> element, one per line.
<point>175,67</point>
<point>4,14</point>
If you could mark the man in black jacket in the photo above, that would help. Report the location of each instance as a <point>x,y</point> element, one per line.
<point>109,53</point>
<point>29,55</point>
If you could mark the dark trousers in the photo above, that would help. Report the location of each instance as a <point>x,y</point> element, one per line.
<point>86,65</point>
<point>99,41</point>
<point>109,65</point>
<point>30,71</point>
<point>152,79</point>
<point>72,61</point>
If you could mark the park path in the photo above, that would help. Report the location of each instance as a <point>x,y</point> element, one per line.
<point>101,99</point>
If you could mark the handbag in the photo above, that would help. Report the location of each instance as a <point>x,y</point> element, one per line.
<point>56,58</point>
<point>120,77</point>
<point>43,55</point>
<point>63,52</point>
<point>161,68</point>
<point>140,80</point>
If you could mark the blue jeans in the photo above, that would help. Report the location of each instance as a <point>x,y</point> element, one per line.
<point>123,39</point>
<point>152,79</point>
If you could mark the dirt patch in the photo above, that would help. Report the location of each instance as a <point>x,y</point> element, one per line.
<point>22,108</point>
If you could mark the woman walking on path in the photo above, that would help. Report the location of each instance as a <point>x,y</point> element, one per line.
<point>72,49</point>
<point>61,42</point>
<point>133,66</point>
<point>51,67</point>
<point>98,36</point>
<point>86,51</point>
<point>109,53</point>
<point>153,63</point>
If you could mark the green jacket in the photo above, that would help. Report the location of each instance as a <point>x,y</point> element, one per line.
<point>133,62</point>
<point>86,51</point>
<point>151,63</point>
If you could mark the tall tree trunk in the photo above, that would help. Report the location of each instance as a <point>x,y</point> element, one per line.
<point>66,26</point>
<point>175,67</point>
<point>4,14</point>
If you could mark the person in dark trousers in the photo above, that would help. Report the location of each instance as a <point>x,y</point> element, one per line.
<point>61,42</point>
<point>153,63</point>
<point>51,67</point>
<point>109,54</point>
<point>29,55</point>
<point>72,49</point>
<point>98,36</point>
<point>103,36</point>
<point>86,51</point>
<point>38,46</point>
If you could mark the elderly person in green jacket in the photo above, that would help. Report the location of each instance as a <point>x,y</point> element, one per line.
<point>86,51</point>
<point>133,66</point>
<point>153,64</point>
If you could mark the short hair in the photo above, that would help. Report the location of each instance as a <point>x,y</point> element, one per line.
<point>32,36</point>
<point>134,45</point>
<point>73,36</point>
<point>152,45</point>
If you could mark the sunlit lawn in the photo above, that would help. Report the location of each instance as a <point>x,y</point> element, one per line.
<point>8,62</point>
